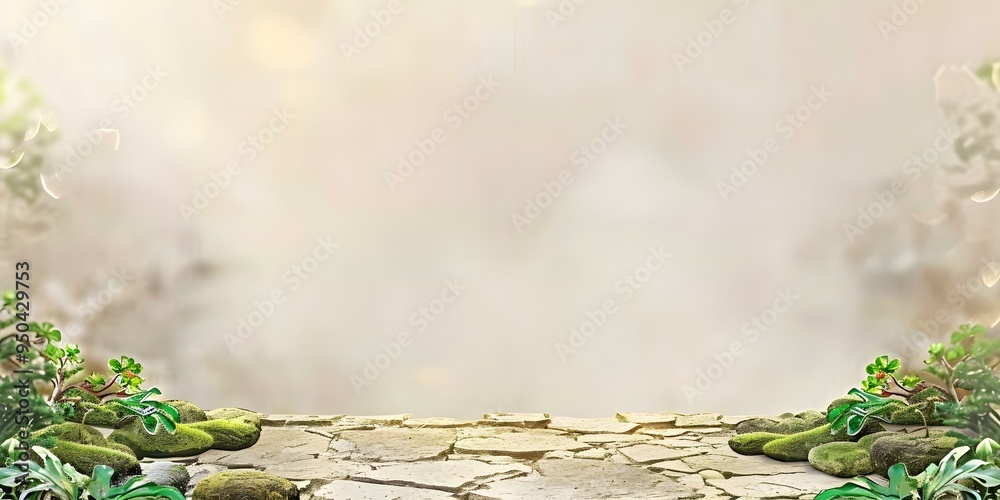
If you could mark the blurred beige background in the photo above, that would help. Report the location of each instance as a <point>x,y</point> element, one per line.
<point>224,72</point>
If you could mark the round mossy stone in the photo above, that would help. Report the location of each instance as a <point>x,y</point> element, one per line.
<point>788,425</point>
<point>842,459</point>
<point>795,447</point>
<point>184,441</point>
<point>931,393</point>
<point>167,474</point>
<point>913,450</point>
<point>73,433</point>
<point>103,416</point>
<point>913,415</point>
<point>245,485</point>
<point>190,412</point>
<point>84,458</point>
<point>870,439</point>
<point>230,434</point>
<point>229,413</point>
<point>82,395</point>
<point>752,443</point>
<point>120,447</point>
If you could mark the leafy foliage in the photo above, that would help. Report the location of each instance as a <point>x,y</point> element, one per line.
<point>965,363</point>
<point>55,480</point>
<point>855,415</point>
<point>944,478</point>
<point>153,414</point>
<point>881,371</point>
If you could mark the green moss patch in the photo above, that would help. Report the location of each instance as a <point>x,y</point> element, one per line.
<point>842,459</point>
<point>190,412</point>
<point>72,432</point>
<point>232,434</point>
<point>185,441</point>
<point>913,450</point>
<point>84,457</point>
<point>796,447</point>
<point>245,485</point>
<point>752,443</point>
<point>251,417</point>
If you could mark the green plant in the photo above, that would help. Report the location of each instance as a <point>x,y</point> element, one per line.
<point>971,479</point>
<point>55,480</point>
<point>881,379</point>
<point>48,362</point>
<point>967,364</point>
<point>855,415</point>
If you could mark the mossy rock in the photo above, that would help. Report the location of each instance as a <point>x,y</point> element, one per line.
<point>73,433</point>
<point>84,458</point>
<point>167,474</point>
<point>230,413</point>
<point>184,441</point>
<point>842,459</point>
<point>105,415</point>
<point>120,447</point>
<point>752,443</point>
<point>245,485</point>
<point>913,415</point>
<point>842,401</point>
<point>787,424</point>
<point>230,434</point>
<point>82,395</point>
<point>913,450</point>
<point>870,439</point>
<point>929,393</point>
<point>190,412</point>
<point>795,447</point>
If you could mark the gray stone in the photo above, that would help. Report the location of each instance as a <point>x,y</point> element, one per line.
<point>647,419</point>
<point>525,444</point>
<point>437,423</point>
<point>354,490</point>
<point>276,445</point>
<point>530,420</point>
<point>167,474</point>
<point>316,468</point>
<point>649,453</point>
<point>599,439</point>
<point>447,476</point>
<point>698,420</point>
<point>592,425</point>
<point>745,465</point>
<point>398,444</point>
<point>585,480</point>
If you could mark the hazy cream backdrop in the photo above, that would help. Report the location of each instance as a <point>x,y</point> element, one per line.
<point>493,348</point>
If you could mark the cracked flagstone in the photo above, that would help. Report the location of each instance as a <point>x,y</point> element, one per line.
<point>513,456</point>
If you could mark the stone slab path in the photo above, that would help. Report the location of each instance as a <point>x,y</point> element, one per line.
<point>514,456</point>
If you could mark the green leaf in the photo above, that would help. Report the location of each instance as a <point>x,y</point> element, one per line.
<point>115,365</point>
<point>893,366</point>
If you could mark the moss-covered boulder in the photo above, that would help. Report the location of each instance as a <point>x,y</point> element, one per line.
<point>788,424</point>
<point>189,412</point>
<point>870,439</point>
<point>914,450</point>
<point>120,447</point>
<point>752,443</point>
<point>167,474</point>
<point>842,459</point>
<point>795,447</point>
<point>184,441</point>
<point>245,485</point>
<point>72,432</point>
<point>81,395</point>
<point>251,417</point>
<point>914,414</point>
<point>927,394</point>
<point>105,415</point>
<point>230,434</point>
<point>84,457</point>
